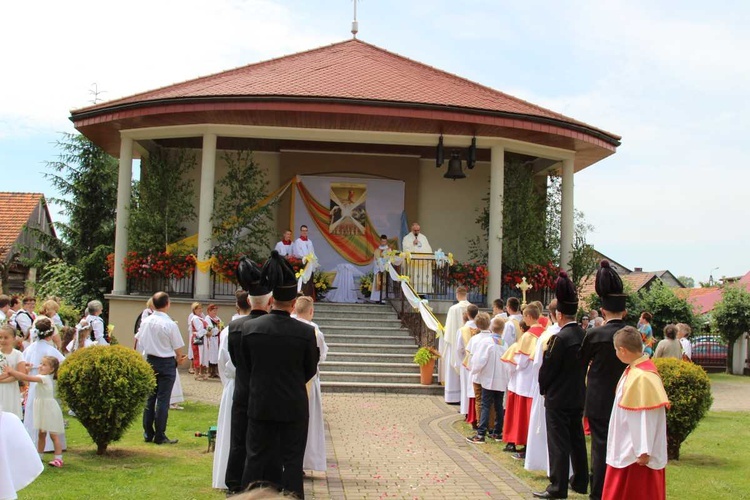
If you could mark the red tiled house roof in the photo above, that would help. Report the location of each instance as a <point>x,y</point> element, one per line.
<point>15,211</point>
<point>352,69</point>
<point>633,281</point>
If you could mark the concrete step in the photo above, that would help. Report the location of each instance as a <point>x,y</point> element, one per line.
<point>368,357</point>
<point>354,315</point>
<point>391,388</point>
<point>379,377</point>
<point>370,331</point>
<point>409,350</point>
<point>364,308</point>
<point>367,339</point>
<point>326,321</point>
<point>364,366</point>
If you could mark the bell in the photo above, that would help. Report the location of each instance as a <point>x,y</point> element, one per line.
<point>454,167</point>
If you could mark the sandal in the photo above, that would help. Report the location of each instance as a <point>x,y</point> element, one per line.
<point>56,463</point>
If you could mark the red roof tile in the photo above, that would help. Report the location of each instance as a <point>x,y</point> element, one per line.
<point>15,210</point>
<point>633,281</point>
<point>352,70</point>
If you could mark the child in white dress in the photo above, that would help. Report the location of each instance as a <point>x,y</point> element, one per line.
<point>10,395</point>
<point>47,413</point>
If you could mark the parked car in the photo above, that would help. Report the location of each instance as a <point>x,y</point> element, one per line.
<point>710,353</point>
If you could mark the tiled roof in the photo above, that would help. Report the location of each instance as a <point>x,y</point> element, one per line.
<point>352,70</point>
<point>633,281</point>
<point>15,210</point>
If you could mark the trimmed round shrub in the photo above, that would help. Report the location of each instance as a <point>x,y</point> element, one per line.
<point>689,391</point>
<point>107,387</point>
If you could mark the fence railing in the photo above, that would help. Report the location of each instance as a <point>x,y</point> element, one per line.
<point>175,287</point>
<point>435,282</point>
<point>544,295</point>
<point>222,288</point>
<point>710,352</point>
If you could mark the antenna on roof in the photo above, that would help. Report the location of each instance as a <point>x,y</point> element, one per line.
<point>94,91</point>
<point>355,24</point>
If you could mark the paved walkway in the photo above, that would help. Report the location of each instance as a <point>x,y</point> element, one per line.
<point>403,446</point>
<point>394,446</point>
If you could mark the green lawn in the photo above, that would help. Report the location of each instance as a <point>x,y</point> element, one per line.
<point>132,468</point>
<point>725,377</point>
<point>714,461</point>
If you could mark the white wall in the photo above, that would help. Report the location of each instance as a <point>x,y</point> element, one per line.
<point>448,209</point>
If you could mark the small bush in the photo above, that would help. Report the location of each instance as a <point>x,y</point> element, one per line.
<point>106,386</point>
<point>689,391</point>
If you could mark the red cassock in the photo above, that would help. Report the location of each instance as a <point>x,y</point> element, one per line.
<point>471,416</point>
<point>634,481</point>
<point>517,415</point>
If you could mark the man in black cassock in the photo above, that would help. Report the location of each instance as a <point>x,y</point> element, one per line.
<point>259,299</point>
<point>604,370</point>
<point>280,355</point>
<point>561,382</point>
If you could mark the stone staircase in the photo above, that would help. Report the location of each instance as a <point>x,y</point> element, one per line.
<point>368,351</point>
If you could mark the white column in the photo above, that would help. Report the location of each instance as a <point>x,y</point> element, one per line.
<point>567,222</point>
<point>206,209</point>
<point>495,259</point>
<point>124,180</point>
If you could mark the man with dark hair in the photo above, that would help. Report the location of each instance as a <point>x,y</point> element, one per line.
<point>598,356</point>
<point>498,311</point>
<point>303,245</point>
<point>512,330</point>
<point>561,382</point>
<point>258,300</point>
<point>281,355</point>
<point>160,341</point>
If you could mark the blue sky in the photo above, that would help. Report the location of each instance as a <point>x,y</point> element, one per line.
<point>671,78</point>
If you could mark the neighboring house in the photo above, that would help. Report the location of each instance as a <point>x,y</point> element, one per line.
<point>704,299</point>
<point>19,211</point>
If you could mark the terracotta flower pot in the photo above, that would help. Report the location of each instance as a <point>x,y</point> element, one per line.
<point>426,372</point>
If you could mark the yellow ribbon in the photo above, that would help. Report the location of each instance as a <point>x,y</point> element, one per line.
<point>450,259</point>
<point>204,266</point>
<point>404,278</point>
<point>406,256</point>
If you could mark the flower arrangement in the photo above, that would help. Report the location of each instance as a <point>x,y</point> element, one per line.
<point>469,274</point>
<point>296,263</point>
<point>365,285</point>
<point>226,266</point>
<point>540,276</point>
<point>321,283</point>
<point>160,264</point>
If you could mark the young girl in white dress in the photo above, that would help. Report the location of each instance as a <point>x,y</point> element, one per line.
<point>48,416</point>
<point>10,395</point>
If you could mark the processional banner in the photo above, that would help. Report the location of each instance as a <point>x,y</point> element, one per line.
<point>346,216</point>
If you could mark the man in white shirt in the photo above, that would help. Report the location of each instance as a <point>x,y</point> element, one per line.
<point>302,246</point>
<point>161,343</point>
<point>24,318</point>
<point>284,247</point>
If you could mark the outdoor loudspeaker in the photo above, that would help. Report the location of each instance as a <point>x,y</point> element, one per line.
<point>440,153</point>
<point>472,157</point>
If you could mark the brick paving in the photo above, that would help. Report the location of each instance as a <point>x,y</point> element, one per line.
<point>402,446</point>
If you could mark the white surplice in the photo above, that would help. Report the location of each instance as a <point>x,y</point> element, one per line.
<point>464,374</point>
<point>447,348</point>
<point>224,423</point>
<point>315,450</point>
<point>19,461</point>
<point>33,355</point>
<point>486,368</point>
<point>537,457</point>
<point>301,248</point>
<point>284,250</point>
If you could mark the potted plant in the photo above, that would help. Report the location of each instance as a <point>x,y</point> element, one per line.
<point>425,358</point>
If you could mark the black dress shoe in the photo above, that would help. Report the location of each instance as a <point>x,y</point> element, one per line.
<point>148,439</point>
<point>167,441</point>
<point>545,494</point>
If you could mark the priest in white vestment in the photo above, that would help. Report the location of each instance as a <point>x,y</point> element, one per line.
<point>419,271</point>
<point>227,372</point>
<point>447,373</point>
<point>20,464</point>
<point>284,247</point>
<point>315,450</point>
<point>302,246</point>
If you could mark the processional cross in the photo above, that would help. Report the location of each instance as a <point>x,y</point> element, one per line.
<point>524,287</point>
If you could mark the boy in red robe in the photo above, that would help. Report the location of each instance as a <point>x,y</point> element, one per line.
<point>637,440</point>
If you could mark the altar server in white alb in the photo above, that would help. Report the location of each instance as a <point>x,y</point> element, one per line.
<point>465,334</point>
<point>447,347</point>
<point>19,462</point>
<point>227,373</point>
<point>537,457</point>
<point>284,247</point>
<point>315,450</point>
<point>302,246</point>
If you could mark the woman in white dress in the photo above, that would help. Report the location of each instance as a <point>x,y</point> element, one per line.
<point>33,355</point>
<point>215,326</point>
<point>199,335</point>
<point>10,395</point>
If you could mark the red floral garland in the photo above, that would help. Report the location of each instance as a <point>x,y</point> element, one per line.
<point>537,275</point>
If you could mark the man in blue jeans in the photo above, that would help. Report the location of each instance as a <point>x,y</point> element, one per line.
<point>485,350</point>
<point>160,341</point>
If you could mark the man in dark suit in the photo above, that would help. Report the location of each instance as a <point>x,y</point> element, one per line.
<point>604,370</point>
<point>259,302</point>
<point>561,382</point>
<point>280,355</point>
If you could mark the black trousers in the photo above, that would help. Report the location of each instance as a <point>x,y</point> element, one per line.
<point>566,444</point>
<point>237,448</point>
<point>599,431</point>
<point>268,441</point>
<point>156,412</point>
